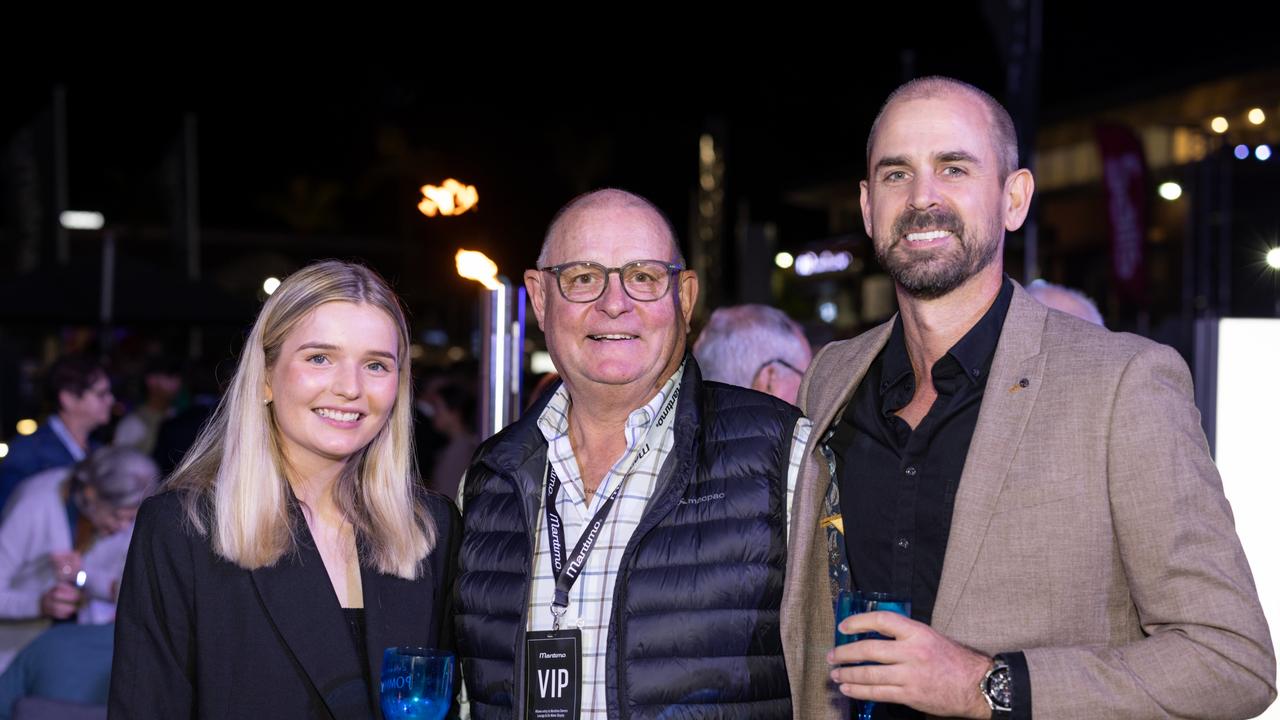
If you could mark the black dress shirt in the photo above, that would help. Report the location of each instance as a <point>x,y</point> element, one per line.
<point>898,485</point>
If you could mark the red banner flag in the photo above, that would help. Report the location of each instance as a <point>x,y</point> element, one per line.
<point>1124,180</point>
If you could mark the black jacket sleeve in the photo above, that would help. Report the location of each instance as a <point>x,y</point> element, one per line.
<point>154,659</point>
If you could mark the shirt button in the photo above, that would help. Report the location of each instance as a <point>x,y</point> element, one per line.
<point>977,372</point>
<point>904,543</point>
<point>911,470</point>
<point>579,623</point>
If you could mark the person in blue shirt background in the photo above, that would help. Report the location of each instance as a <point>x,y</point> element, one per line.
<point>80,390</point>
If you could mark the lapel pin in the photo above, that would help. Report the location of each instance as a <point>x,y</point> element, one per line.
<point>1023,383</point>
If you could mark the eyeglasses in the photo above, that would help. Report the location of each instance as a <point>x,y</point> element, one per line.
<point>642,280</point>
<point>778,361</point>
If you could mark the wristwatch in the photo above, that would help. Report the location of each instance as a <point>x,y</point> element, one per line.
<point>997,689</point>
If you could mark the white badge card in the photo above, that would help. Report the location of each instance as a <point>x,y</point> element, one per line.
<point>553,674</point>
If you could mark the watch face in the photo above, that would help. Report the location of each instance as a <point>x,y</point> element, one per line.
<point>998,688</point>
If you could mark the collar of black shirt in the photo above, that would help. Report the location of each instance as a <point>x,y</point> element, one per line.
<point>970,356</point>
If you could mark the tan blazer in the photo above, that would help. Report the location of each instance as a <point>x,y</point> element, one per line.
<point>1089,531</point>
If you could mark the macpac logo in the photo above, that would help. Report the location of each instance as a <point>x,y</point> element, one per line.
<point>702,499</point>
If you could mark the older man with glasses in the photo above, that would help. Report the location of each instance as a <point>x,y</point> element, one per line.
<point>754,346</point>
<point>624,542</point>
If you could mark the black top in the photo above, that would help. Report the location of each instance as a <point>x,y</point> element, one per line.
<point>355,623</point>
<point>898,485</point>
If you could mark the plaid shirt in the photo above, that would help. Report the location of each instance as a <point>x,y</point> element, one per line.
<point>591,598</point>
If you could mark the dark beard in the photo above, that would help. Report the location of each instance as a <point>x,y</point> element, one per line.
<point>929,279</point>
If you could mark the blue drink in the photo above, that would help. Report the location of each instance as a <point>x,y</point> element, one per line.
<point>415,708</point>
<point>417,683</point>
<point>853,603</point>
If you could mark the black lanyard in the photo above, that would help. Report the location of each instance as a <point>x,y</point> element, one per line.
<point>566,574</point>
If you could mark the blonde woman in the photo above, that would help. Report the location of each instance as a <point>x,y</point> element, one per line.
<point>291,546</point>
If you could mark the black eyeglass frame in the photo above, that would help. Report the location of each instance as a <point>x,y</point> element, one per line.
<point>672,269</point>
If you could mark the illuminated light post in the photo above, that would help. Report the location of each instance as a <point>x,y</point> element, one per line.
<point>502,332</point>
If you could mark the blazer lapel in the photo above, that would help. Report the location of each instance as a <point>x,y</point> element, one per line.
<point>807,621</point>
<point>397,613</point>
<point>826,390</point>
<point>300,601</point>
<point>824,400</point>
<point>827,396</point>
<point>1012,386</point>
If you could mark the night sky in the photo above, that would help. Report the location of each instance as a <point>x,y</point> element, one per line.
<point>332,139</point>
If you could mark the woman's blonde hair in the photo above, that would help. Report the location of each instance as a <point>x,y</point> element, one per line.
<point>233,478</point>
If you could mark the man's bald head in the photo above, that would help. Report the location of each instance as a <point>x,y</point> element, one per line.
<point>1004,138</point>
<point>606,198</point>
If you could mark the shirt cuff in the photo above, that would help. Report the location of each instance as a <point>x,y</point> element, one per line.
<point>1020,678</point>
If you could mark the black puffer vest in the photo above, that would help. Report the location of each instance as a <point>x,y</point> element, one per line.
<point>694,632</point>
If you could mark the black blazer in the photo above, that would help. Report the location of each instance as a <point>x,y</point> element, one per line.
<point>199,637</point>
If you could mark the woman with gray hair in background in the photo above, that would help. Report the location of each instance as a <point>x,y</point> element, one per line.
<point>63,540</point>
